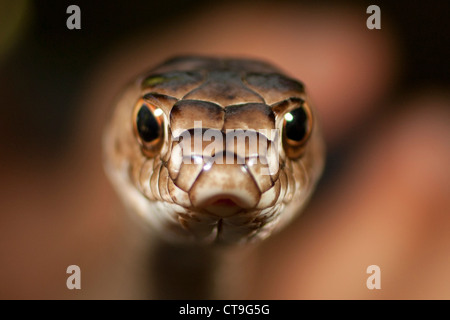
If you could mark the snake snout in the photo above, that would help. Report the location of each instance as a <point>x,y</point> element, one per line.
<point>224,190</point>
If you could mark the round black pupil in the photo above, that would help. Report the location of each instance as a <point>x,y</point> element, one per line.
<point>297,125</point>
<point>147,126</point>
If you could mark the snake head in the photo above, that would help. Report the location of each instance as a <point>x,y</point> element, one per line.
<point>214,150</point>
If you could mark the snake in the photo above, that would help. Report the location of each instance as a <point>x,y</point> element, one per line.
<point>214,150</point>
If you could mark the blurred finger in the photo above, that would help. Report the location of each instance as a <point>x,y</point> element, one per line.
<point>390,207</point>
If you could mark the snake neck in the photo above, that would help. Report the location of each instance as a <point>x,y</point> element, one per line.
<point>201,272</point>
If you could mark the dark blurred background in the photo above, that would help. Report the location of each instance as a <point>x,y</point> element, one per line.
<point>52,80</point>
<point>48,63</point>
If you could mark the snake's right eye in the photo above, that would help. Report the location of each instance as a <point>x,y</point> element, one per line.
<point>296,130</point>
<point>148,127</point>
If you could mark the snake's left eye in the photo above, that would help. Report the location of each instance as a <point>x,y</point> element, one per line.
<point>148,127</point>
<point>297,127</point>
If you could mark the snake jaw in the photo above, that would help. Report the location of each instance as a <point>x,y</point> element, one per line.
<point>185,192</point>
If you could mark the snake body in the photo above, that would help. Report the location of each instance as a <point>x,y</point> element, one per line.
<point>221,188</point>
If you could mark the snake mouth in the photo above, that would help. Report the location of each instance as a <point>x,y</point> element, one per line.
<point>224,206</point>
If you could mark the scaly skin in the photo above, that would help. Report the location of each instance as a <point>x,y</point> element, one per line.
<point>265,189</point>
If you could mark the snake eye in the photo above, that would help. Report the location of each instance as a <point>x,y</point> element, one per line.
<point>297,127</point>
<point>148,127</point>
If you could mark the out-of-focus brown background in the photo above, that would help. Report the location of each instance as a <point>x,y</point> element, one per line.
<point>383,96</point>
